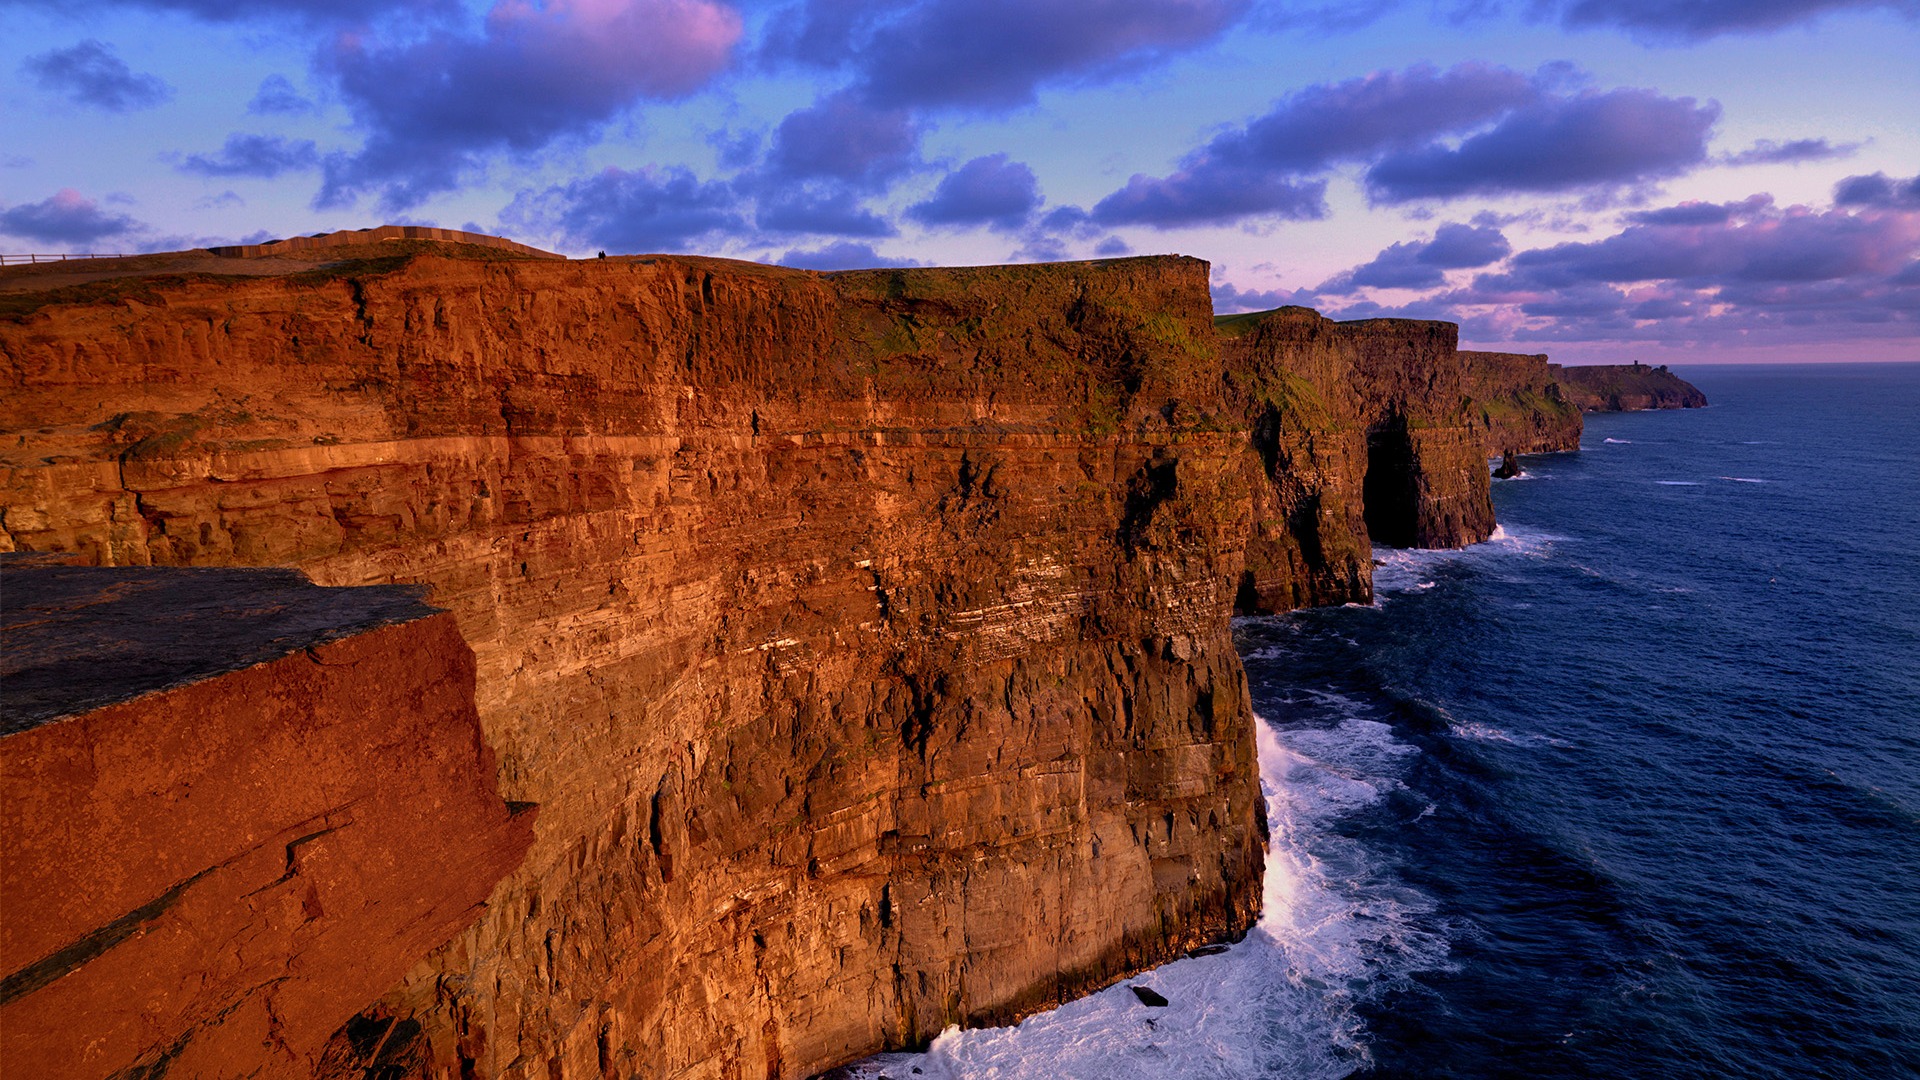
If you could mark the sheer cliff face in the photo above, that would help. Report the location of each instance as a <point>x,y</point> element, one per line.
<point>1523,404</point>
<point>1626,388</point>
<point>863,638</point>
<point>1364,432</point>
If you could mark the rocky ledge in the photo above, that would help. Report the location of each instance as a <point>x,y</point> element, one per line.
<point>863,636</point>
<point>236,809</point>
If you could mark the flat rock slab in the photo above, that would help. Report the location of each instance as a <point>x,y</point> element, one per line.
<point>77,638</point>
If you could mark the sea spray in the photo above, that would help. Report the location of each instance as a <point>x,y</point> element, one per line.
<point>1336,929</point>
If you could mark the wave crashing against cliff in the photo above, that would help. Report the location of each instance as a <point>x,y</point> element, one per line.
<point>863,637</point>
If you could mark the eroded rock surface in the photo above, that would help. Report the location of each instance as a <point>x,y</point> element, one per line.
<point>236,810</point>
<point>1523,404</point>
<point>1363,432</point>
<point>863,636</point>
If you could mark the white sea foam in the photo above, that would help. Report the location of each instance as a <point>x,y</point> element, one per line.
<point>1335,929</point>
<point>1745,480</point>
<point>1405,570</point>
<point>1678,483</point>
<point>1619,442</point>
<point>1487,733</point>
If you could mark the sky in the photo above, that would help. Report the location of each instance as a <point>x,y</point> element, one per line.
<point>1602,180</point>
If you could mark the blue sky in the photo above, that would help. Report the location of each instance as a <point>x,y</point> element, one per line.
<point>1597,179</point>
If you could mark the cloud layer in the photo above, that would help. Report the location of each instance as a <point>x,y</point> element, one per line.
<point>1424,134</point>
<point>90,74</point>
<point>431,106</point>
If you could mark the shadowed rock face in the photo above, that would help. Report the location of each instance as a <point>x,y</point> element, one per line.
<point>1364,432</point>
<point>1522,403</point>
<point>1626,388</point>
<point>863,637</point>
<point>236,809</point>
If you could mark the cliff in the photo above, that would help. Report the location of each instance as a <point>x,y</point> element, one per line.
<point>1362,431</point>
<point>197,898</point>
<point>1522,403</point>
<point>1626,388</point>
<point>863,637</point>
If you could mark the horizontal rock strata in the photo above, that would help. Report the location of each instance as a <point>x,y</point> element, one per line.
<point>1522,403</point>
<point>1363,432</point>
<point>863,637</point>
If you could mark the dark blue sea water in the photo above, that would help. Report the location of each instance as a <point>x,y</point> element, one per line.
<point>1669,732</point>
<point>1632,790</point>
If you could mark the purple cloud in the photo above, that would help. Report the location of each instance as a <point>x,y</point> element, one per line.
<point>1358,118</point>
<point>277,97</point>
<point>1702,213</point>
<point>431,106</point>
<point>1210,195</point>
<point>831,211</point>
<point>841,255</point>
<point>1423,265</point>
<point>309,11</point>
<point>1516,133</point>
<point>990,54</point>
<point>988,190</point>
<point>1229,299</point>
<point>90,74</point>
<point>1588,141</point>
<point>1256,170</point>
<point>840,138</point>
<point>1877,190</point>
<point>1769,152</point>
<point>1792,245</point>
<point>65,217</point>
<point>264,156</point>
<point>1699,19</point>
<point>996,53</point>
<point>649,210</point>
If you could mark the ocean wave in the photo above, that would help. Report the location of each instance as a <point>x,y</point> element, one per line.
<point>1745,480</point>
<point>1678,483</point>
<point>1337,929</point>
<point>1619,442</point>
<point>1487,733</point>
<point>1409,570</point>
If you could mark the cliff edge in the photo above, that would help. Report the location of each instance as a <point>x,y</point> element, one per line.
<point>864,637</point>
<point>1626,388</point>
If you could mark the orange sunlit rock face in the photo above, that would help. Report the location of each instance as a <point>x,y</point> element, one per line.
<point>210,871</point>
<point>863,637</point>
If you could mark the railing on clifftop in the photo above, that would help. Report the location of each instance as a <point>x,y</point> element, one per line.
<point>22,260</point>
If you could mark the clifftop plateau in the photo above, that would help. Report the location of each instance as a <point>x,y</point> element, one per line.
<point>1626,388</point>
<point>863,637</point>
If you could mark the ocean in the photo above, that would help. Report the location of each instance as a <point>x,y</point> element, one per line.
<point>1631,790</point>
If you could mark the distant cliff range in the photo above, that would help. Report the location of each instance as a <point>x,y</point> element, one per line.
<point>1626,388</point>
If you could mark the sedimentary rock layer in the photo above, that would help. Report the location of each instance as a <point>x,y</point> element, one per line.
<point>863,637</point>
<point>1363,432</point>
<point>1522,404</point>
<point>1626,388</point>
<point>236,810</point>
